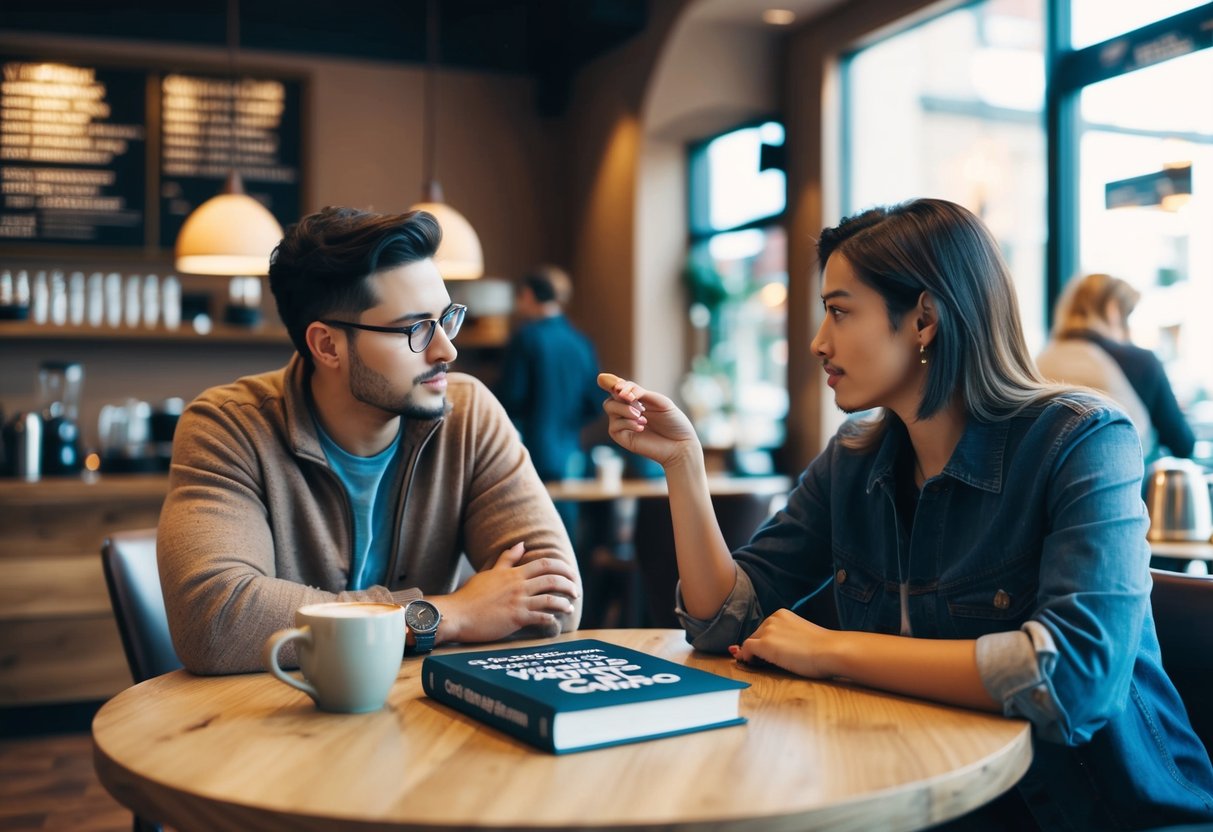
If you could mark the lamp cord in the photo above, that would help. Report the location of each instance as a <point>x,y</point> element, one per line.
<point>233,40</point>
<point>430,105</point>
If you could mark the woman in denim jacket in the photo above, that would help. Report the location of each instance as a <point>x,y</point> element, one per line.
<point>984,539</point>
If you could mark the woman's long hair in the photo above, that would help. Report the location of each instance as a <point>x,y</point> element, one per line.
<point>978,354</point>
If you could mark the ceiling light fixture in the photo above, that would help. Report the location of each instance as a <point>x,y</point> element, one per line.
<point>460,256</point>
<point>779,17</point>
<point>231,234</point>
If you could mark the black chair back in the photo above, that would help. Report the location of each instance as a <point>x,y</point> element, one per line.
<point>129,562</point>
<point>1183,616</point>
<point>739,516</point>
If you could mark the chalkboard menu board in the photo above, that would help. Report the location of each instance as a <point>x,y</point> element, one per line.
<point>210,126</point>
<point>79,156</point>
<point>72,154</point>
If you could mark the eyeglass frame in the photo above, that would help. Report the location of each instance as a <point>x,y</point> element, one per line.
<point>409,329</point>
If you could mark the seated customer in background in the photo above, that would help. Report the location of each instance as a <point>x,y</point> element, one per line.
<point>984,537</point>
<point>1091,347</point>
<point>361,470</point>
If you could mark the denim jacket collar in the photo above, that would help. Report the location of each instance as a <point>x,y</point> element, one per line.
<point>977,459</point>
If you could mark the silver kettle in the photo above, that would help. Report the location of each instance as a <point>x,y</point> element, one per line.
<point>1177,497</point>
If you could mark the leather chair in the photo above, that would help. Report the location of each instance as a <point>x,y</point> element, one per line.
<point>129,562</point>
<point>1183,616</point>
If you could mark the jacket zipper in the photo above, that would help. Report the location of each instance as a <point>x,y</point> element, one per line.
<point>407,485</point>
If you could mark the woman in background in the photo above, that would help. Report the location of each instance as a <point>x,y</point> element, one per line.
<point>1091,347</point>
<point>984,538</point>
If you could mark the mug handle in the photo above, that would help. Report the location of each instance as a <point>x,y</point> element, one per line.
<point>275,644</point>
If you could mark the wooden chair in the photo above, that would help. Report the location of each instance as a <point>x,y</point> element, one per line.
<point>1183,616</point>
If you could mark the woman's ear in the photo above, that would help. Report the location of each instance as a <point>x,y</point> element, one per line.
<point>322,341</point>
<point>927,317</point>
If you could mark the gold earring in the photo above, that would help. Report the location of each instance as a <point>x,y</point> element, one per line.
<point>922,354</point>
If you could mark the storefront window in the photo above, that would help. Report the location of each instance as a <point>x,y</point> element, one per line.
<point>737,276</point>
<point>953,109</point>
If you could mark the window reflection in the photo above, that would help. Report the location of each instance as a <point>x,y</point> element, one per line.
<point>1134,125</point>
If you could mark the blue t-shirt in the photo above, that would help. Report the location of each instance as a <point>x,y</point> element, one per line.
<point>368,483</point>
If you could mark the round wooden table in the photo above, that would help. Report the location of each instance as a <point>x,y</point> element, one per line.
<point>247,752</point>
<point>1186,550</point>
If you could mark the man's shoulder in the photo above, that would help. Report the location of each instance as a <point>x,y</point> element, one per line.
<point>252,390</point>
<point>469,399</point>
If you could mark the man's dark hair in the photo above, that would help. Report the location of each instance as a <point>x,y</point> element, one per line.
<point>320,268</point>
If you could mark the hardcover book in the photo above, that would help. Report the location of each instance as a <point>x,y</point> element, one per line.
<point>578,695</point>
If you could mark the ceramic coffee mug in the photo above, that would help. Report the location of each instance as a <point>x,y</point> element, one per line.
<point>349,652</point>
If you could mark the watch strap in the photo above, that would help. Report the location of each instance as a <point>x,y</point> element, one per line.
<point>422,642</point>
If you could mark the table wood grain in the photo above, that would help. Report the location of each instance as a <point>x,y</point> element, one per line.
<point>247,752</point>
<point>718,484</point>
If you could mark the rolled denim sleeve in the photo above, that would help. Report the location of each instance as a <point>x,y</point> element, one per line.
<point>1016,668</point>
<point>739,616</point>
<point>1094,590</point>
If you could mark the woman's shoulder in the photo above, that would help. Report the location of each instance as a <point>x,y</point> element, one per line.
<point>1068,411</point>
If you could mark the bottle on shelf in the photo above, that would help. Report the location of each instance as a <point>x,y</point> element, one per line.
<point>151,301</point>
<point>170,302</point>
<point>40,299</point>
<point>113,300</point>
<point>58,301</point>
<point>96,299</point>
<point>75,299</point>
<point>130,302</point>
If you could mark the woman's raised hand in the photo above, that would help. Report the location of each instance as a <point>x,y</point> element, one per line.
<point>648,423</point>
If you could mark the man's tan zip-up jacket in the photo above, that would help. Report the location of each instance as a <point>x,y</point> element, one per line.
<point>257,524</point>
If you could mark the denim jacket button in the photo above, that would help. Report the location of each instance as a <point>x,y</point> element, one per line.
<point>1002,600</point>
<point>841,576</point>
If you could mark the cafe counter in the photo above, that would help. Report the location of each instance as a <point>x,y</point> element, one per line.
<point>58,639</point>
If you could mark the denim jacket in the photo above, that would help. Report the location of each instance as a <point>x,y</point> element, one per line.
<point>1031,541</point>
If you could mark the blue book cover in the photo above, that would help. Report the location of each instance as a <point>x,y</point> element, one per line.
<point>578,695</point>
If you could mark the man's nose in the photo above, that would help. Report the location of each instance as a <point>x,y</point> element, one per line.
<point>441,348</point>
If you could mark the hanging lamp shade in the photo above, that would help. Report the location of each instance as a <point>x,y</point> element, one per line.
<point>459,257</point>
<point>229,234</point>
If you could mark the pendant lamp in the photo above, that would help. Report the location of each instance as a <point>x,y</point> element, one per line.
<point>232,233</point>
<point>459,257</point>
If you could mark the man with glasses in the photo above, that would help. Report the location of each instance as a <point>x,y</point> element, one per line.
<point>360,471</point>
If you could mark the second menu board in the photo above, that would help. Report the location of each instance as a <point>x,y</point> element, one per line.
<point>212,125</point>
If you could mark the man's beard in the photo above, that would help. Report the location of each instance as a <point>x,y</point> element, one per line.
<point>373,388</point>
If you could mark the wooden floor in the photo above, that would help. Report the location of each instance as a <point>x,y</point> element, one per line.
<point>48,783</point>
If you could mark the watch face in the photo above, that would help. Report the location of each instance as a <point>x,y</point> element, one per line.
<point>421,616</point>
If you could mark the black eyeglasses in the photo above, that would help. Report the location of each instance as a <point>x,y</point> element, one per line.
<point>419,334</point>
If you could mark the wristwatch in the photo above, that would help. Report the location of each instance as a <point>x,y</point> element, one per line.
<point>421,618</point>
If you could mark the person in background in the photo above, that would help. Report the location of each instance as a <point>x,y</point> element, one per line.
<point>1091,347</point>
<point>548,380</point>
<point>360,471</point>
<point>984,537</point>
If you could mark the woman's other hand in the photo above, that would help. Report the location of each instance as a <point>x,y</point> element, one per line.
<point>790,642</point>
<point>648,423</point>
